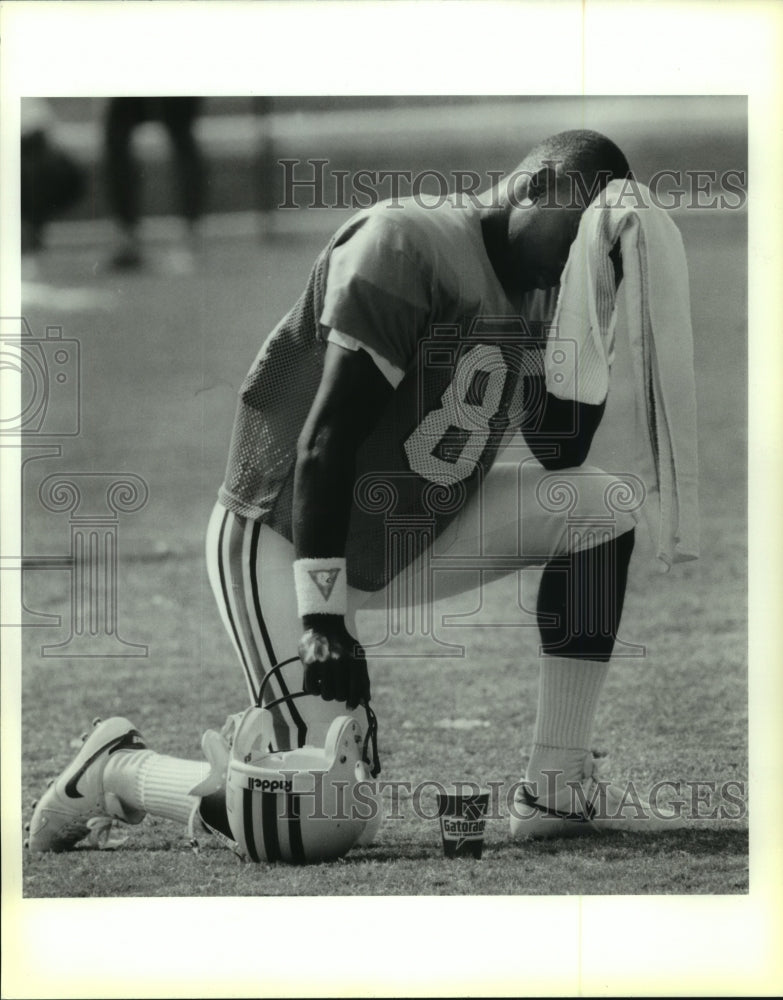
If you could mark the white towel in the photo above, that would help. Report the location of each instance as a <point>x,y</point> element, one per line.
<point>655,282</point>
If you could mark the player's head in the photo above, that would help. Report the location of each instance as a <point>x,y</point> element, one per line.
<point>588,158</point>
<point>544,198</point>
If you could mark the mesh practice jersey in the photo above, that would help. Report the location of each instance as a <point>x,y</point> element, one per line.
<point>414,285</point>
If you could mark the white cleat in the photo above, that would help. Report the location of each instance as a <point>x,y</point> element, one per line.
<point>74,804</point>
<point>209,814</point>
<point>588,806</point>
<point>216,747</point>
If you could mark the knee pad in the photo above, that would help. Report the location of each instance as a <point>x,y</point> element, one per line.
<point>588,507</point>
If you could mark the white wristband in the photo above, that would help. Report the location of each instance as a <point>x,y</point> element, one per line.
<point>321,586</point>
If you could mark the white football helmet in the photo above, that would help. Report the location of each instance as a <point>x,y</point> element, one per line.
<point>299,806</point>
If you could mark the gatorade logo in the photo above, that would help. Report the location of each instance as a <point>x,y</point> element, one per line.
<point>464,829</point>
<point>269,785</point>
<point>324,579</point>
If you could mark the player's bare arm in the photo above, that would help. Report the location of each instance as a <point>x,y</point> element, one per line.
<point>351,397</point>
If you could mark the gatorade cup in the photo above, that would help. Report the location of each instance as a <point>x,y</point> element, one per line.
<point>462,821</point>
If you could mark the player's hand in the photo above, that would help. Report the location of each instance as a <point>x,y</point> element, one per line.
<point>335,665</point>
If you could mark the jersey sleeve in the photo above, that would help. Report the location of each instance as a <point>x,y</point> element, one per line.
<point>378,291</point>
<point>392,375</point>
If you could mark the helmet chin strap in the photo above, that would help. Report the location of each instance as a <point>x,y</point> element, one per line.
<point>371,739</point>
<point>268,676</point>
<point>370,748</point>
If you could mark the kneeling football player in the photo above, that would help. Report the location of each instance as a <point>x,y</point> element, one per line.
<point>412,358</point>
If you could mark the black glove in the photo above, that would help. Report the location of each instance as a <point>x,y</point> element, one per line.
<point>335,665</point>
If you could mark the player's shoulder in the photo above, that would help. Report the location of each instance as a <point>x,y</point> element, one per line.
<point>410,227</point>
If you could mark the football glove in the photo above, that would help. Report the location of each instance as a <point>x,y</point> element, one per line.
<point>335,665</point>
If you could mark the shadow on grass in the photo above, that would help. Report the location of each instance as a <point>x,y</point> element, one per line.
<point>684,862</point>
<point>615,846</point>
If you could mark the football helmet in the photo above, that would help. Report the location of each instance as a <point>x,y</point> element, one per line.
<point>304,805</point>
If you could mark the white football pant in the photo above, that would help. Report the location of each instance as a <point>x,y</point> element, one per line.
<point>522,517</point>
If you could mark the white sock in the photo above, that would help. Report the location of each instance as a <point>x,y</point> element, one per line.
<point>568,694</point>
<point>155,783</point>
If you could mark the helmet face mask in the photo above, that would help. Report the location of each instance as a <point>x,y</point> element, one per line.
<point>295,806</point>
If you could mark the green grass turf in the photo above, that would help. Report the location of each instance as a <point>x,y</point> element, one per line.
<point>162,359</point>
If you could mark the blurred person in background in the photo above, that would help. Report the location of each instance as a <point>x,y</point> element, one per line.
<point>51,180</point>
<point>124,175</point>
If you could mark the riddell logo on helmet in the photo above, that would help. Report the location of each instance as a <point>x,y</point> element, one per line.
<point>269,785</point>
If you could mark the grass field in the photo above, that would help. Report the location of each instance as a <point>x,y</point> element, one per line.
<point>162,356</point>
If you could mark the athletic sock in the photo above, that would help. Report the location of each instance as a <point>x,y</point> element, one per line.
<point>568,694</point>
<point>154,783</point>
